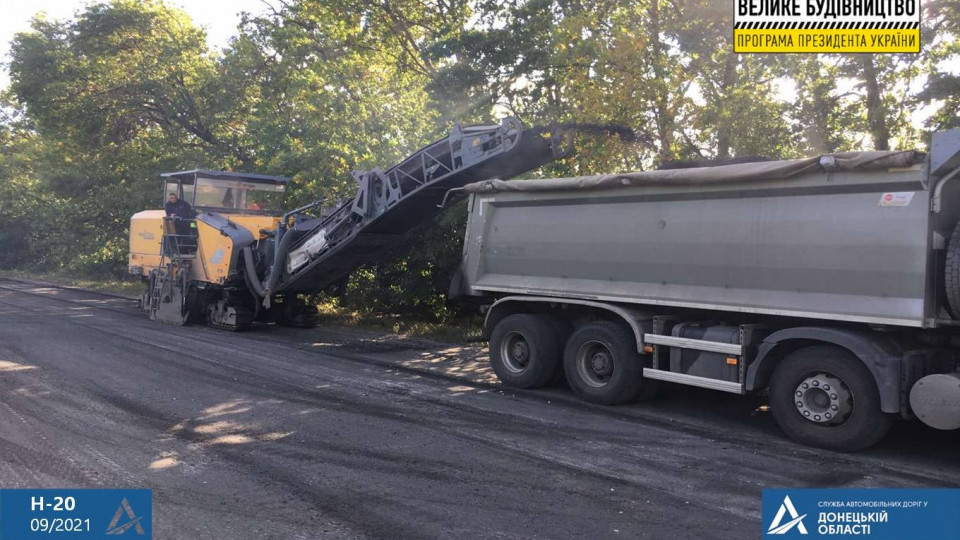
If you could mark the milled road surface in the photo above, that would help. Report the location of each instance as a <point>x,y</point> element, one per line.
<point>268,435</point>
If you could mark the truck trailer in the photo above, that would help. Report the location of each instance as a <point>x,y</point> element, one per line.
<point>832,283</point>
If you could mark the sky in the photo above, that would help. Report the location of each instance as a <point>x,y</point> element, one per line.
<point>218,17</point>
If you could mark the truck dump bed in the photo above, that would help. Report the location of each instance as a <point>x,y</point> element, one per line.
<point>848,237</point>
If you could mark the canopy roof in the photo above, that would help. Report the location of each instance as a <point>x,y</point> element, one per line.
<point>189,176</point>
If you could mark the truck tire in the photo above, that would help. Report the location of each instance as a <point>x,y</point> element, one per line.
<point>602,365</point>
<point>525,351</point>
<point>824,396</point>
<point>951,277</point>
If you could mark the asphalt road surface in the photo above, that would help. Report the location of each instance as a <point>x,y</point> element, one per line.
<point>262,435</point>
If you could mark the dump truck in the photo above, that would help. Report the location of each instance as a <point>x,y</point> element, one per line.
<point>831,283</point>
<point>240,258</point>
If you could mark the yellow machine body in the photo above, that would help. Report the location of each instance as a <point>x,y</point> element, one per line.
<point>146,237</point>
<point>214,250</point>
<point>208,263</point>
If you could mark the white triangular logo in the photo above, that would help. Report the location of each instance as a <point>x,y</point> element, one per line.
<point>796,520</point>
<point>115,529</point>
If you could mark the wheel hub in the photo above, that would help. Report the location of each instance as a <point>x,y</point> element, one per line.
<point>595,364</point>
<point>515,352</point>
<point>824,399</point>
<point>519,351</point>
<point>600,364</point>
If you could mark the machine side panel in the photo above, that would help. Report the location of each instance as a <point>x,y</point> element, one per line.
<point>220,243</point>
<point>254,223</point>
<point>213,255</point>
<point>146,237</point>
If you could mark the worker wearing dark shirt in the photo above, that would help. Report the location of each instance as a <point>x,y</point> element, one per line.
<point>182,212</point>
<point>181,209</point>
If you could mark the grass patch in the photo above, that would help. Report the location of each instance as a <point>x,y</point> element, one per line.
<point>461,329</point>
<point>123,287</point>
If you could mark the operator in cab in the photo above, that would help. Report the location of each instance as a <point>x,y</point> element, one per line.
<point>182,212</point>
<point>174,207</point>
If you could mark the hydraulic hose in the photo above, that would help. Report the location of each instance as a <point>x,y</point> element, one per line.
<point>253,281</point>
<point>280,253</point>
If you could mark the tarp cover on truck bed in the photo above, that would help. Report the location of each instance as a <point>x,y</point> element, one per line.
<point>742,172</point>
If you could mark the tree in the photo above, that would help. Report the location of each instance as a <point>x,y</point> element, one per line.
<point>340,86</point>
<point>116,96</point>
<point>121,72</point>
<point>737,111</point>
<point>942,21</point>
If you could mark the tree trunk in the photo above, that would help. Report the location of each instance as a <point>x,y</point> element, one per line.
<point>876,120</point>
<point>724,131</point>
<point>664,117</point>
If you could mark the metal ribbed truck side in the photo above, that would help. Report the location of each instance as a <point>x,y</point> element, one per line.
<point>821,246</point>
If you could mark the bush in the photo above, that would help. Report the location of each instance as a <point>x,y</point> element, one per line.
<point>413,277</point>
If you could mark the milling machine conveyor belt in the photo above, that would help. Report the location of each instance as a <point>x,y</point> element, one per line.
<point>317,253</point>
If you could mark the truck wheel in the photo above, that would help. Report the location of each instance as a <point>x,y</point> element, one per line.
<point>952,273</point>
<point>602,364</point>
<point>824,396</point>
<point>525,351</point>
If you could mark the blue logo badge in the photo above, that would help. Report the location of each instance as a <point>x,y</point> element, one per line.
<point>82,514</point>
<point>881,514</point>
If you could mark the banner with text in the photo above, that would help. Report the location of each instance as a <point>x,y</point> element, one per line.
<point>826,26</point>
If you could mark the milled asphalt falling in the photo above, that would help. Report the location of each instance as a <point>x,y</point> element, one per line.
<point>266,434</point>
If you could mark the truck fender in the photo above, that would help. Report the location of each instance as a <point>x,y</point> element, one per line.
<point>506,305</point>
<point>880,353</point>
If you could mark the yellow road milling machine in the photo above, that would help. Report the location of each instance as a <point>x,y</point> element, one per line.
<point>240,258</point>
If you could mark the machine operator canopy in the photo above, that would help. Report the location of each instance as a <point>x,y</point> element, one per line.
<point>228,191</point>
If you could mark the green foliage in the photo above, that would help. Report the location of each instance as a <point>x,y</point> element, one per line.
<point>100,104</point>
<point>124,73</point>
<point>414,277</point>
<point>942,32</point>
